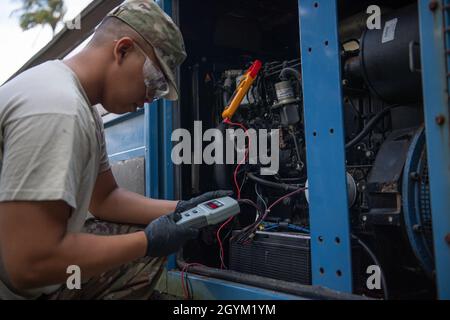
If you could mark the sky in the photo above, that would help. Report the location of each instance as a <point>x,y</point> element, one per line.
<point>17,46</point>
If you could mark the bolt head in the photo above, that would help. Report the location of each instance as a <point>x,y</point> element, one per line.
<point>433,5</point>
<point>447,238</point>
<point>414,176</point>
<point>440,120</point>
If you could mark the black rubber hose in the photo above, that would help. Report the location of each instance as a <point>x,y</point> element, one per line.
<point>303,291</point>
<point>270,184</point>
<point>369,126</point>
<point>376,261</point>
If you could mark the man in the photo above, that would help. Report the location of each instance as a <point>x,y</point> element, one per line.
<point>54,166</point>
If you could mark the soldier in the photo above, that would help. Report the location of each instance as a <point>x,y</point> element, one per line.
<point>54,166</point>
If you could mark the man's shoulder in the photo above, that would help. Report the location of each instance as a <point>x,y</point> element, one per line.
<point>50,88</point>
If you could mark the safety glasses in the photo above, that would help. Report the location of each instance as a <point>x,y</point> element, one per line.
<point>156,84</point>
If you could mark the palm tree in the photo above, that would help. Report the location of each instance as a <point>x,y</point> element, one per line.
<point>41,12</point>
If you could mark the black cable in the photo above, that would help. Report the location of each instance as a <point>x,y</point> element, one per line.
<point>250,203</point>
<point>275,185</point>
<point>369,126</point>
<point>375,260</point>
<point>354,108</point>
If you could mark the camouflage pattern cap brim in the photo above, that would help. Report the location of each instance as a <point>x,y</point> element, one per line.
<point>158,29</point>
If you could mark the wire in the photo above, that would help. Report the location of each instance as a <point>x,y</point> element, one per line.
<point>260,213</point>
<point>222,263</point>
<point>247,151</point>
<point>247,233</point>
<point>370,126</point>
<point>243,182</point>
<point>238,189</point>
<point>354,108</point>
<point>284,197</point>
<point>251,203</point>
<point>375,260</point>
<point>184,279</point>
<point>271,226</point>
<point>270,184</point>
<point>260,198</point>
<point>298,228</point>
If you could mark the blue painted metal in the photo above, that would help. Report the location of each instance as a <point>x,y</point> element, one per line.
<point>436,86</point>
<point>167,166</point>
<point>166,181</point>
<point>151,151</point>
<point>166,158</point>
<point>447,39</point>
<point>205,288</point>
<point>125,137</point>
<point>329,217</point>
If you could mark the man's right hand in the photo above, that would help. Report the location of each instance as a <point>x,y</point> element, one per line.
<point>165,237</point>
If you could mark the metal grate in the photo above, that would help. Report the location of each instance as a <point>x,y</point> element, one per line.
<point>425,203</point>
<point>274,255</point>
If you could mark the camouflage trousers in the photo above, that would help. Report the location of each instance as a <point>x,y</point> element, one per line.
<point>132,281</point>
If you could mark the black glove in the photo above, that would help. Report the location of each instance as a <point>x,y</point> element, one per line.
<point>165,237</point>
<point>192,203</point>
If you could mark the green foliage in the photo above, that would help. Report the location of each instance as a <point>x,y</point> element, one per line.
<point>41,12</point>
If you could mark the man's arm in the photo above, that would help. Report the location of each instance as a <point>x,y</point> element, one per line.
<point>111,203</point>
<point>36,250</point>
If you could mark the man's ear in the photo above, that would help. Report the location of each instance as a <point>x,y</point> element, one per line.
<point>122,48</point>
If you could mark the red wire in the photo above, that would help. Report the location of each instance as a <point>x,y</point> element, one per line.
<point>238,189</point>
<point>185,285</point>
<point>270,208</point>
<point>222,264</point>
<point>284,197</point>
<point>247,152</point>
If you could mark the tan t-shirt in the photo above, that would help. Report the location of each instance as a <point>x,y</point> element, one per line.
<point>52,146</point>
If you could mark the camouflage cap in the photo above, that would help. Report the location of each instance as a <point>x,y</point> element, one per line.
<point>159,30</point>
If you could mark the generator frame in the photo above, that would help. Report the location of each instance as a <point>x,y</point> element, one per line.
<point>329,212</point>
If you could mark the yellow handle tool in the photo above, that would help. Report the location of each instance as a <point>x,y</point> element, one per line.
<point>242,90</point>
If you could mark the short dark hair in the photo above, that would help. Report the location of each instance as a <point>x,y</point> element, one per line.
<point>111,29</point>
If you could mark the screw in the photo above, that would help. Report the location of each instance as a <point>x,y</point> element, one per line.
<point>414,176</point>
<point>447,238</point>
<point>433,5</point>
<point>440,119</point>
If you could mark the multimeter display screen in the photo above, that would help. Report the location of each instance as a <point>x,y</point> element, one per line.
<point>214,205</point>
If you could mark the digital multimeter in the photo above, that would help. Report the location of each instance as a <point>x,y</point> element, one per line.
<point>210,213</point>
